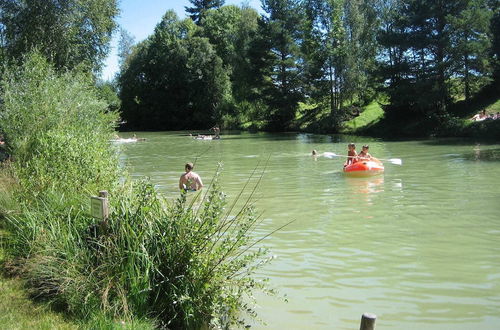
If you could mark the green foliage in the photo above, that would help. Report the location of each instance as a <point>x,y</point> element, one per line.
<point>337,54</point>
<point>57,129</point>
<point>231,30</point>
<point>187,265</point>
<point>68,33</point>
<point>200,8</point>
<point>282,92</point>
<point>426,44</point>
<point>108,92</point>
<point>174,80</point>
<point>125,48</point>
<point>370,115</point>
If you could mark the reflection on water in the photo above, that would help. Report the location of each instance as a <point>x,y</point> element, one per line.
<point>369,185</point>
<point>418,246</point>
<point>483,154</point>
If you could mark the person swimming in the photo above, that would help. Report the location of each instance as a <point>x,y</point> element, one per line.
<point>190,180</point>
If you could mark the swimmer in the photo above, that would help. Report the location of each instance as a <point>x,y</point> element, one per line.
<point>190,180</point>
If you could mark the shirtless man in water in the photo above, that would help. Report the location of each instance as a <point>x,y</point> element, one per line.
<point>190,180</point>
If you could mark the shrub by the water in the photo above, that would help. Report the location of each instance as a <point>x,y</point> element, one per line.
<point>57,129</point>
<point>183,267</point>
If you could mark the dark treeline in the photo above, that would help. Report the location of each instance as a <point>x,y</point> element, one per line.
<point>232,66</point>
<point>424,60</point>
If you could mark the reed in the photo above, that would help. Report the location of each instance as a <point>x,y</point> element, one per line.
<point>155,261</point>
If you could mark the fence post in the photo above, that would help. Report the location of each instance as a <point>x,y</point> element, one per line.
<point>368,321</point>
<point>104,194</point>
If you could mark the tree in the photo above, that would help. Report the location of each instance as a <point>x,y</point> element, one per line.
<point>125,47</point>
<point>282,31</point>
<point>339,48</point>
<point>324,51</point>
<point>67,32</point>
<point>360,25</point>
<point>495,39</point>
<point>427,45</point>
<point>231,29</point>
<point>174,79</point>
<point>200,8</point>
<point>470,46</point>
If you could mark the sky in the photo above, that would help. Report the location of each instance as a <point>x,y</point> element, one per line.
<point>139,18</point>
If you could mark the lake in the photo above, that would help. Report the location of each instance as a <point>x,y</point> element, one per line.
<point>418,246</point>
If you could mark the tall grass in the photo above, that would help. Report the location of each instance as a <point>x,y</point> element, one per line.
<point>57,129</point>
<point>182,267</point>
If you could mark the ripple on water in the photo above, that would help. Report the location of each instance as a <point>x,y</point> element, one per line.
<point>417,246</point>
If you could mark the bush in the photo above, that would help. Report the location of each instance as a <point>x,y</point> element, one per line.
<point>188,267</point>
<point>57,129</point>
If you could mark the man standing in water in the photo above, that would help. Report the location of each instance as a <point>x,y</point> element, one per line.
<point>190,180</point>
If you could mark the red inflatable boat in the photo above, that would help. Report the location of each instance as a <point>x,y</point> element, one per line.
<point>364,168</point>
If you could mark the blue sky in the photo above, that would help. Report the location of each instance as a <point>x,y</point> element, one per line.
<point>139,18</point>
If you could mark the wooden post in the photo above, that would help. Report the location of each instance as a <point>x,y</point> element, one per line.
<point>104,194</point>
<point>368,321</point>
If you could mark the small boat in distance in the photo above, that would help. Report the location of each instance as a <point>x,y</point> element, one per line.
<point>205,137</point>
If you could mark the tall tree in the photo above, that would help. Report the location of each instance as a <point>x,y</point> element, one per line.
<point>67,32</point>
<point>231,30</point>
<point>428,43</point>
<point>495,39</point>
<point>174,79</point>
<point>339,48</point>
<point>325,53</point>
<point>470,46</point>
<point>360,25</point>
<point>200,8</point>
<point>283,21</point>
<point>125,47</point>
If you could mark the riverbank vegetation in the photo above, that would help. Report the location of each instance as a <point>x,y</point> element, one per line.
<point>156,261</point>
<point>430,65</point>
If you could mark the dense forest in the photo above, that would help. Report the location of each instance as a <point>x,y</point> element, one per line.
<point>322,60</point>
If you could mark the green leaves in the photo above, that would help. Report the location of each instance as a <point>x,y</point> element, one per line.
<point>58,129</point>
<point>177,77</point>
<point>68,33</point>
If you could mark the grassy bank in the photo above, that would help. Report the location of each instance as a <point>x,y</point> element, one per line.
<point>370,116</point>
<point>153,261</point>
<point>18,311</point>
<point>373,122</point>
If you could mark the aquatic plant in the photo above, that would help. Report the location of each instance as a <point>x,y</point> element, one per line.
<point>182,264</point>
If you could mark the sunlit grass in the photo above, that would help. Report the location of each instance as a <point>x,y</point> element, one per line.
<point>17,311</point>
<point>494,108</point>
<point>371,114</point>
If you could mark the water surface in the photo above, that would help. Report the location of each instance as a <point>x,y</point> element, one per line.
<point>419,246</point>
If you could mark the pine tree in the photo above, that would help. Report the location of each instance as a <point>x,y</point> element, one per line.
<point>428,44</point>
<point>200,8</point>
<point>282,30</point>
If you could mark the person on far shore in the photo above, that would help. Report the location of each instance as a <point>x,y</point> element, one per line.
<point>351,154</point>
<point>363,154</point>
<point>480,116</point>
<point>190,181</point>
<point>216,130</point>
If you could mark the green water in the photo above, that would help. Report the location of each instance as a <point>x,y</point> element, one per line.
<point>418,246</point>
